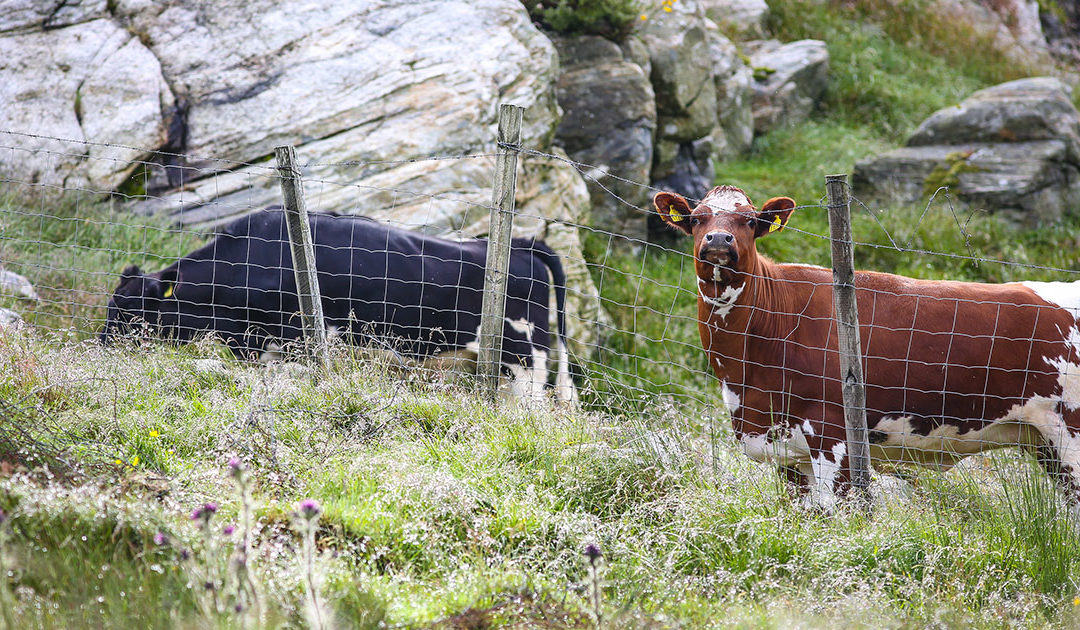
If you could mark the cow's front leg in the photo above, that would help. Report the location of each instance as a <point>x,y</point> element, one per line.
<point>827,473</point>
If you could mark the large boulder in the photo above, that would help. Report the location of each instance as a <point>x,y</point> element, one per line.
<point>682,78</point>
<point>1017,111</point>
<point>1013,148</point>
<point>609,118</point>
<point>392,106</point>
<point>789,81</point>
<point>93,82</point>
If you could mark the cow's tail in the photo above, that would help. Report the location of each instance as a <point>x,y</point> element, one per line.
<point>564,383</point>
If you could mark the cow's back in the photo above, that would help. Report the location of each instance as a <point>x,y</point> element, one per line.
<point>933,351</point>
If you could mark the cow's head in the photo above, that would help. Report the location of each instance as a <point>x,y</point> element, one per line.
<point>136,302</point>
<point>725,227</point>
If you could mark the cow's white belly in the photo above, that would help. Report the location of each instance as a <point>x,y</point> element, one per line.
<point>945,445</point>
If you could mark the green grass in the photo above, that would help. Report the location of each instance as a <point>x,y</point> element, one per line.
<point>439,506</point>
<point>74,248</point>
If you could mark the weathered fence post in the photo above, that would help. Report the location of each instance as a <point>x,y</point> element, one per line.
<point>303,255</point>
<point>847,323</point>
<point>498,253</point>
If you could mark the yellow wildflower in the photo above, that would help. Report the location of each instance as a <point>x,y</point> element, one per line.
<point>154,433</point>
<point>135,461</point>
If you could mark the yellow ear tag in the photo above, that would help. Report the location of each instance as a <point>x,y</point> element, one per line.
<point>168,292</point>
<point>675,216</point>
<point>776,225</point>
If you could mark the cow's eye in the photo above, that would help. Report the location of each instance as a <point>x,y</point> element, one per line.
<point>694,221</point>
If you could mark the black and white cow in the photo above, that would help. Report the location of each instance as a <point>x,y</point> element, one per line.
<point>420,294</point>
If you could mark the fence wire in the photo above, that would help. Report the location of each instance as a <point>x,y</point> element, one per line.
<point>184,246</point>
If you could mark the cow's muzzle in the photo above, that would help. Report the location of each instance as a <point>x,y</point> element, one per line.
<point>718,248</point>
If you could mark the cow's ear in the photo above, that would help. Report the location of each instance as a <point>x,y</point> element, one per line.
<point>168,281</point>
<point>774,215</point>
<point>132,271</point>
<point>673,209</point>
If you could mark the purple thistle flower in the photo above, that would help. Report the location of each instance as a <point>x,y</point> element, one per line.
<point>160,539</point>
<point>184,554</point>
<point>592,552</point>
<point>229,529</point>
<point>309,508</point>
<point>205,512</point>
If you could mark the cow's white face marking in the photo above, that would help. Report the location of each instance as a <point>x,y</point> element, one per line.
<point>723,303</point>
<point>726,200</point>
<point>808,428</point>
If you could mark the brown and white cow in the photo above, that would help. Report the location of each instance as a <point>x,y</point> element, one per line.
<point>951,368</point>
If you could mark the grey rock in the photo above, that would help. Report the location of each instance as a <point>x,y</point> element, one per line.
<point>19,15</point>
<point>691,172</point>
<point>686,96</point>
<point>1026,181</point>
<point>374,95</point>
<point>739,18</point>
<point>1017,111</point>
<point>681,72</point>
<point>789,81</point>
<point>9,318</point>
<point>1013,148</point>
<point>13,284</point>
<point>609,118</point>
<point>93,82</point>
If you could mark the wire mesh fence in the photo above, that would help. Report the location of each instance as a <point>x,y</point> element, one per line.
<point>190,246</point>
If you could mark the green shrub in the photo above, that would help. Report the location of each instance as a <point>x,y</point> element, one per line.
<point>610,18</point>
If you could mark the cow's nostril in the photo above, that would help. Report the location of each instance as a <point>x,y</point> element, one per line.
<point>728,239</point>
<point>708,237</point>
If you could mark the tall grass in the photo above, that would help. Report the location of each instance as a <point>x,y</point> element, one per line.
<point>440,507</point>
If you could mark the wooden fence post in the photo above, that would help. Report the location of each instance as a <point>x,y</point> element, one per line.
<point>847,323</point>
<point>498,253</point>
<point>303,255</point>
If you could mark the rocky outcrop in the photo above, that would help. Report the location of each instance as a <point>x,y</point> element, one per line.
<point>372,94</point>
<point>94,82</point>
<point>682,77</point>
<point>609,118</point>
<point>1013,148</point>
<point>789,81</point>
